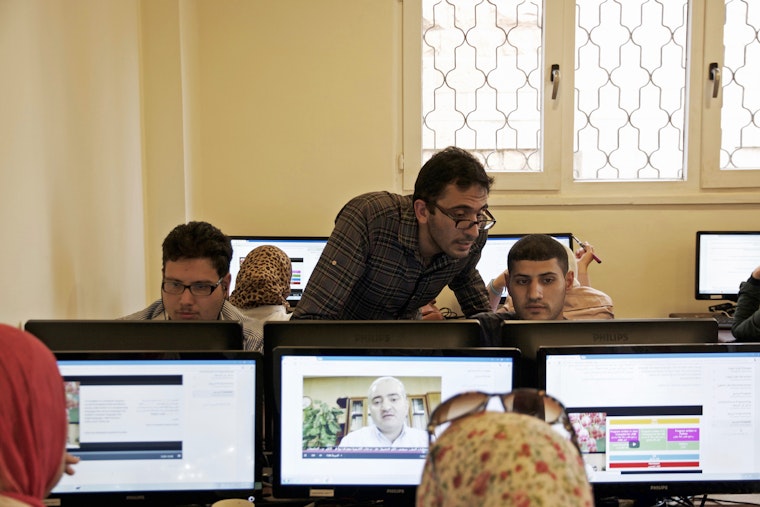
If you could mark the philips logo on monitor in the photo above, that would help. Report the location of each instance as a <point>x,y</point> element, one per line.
<point>610,337</point>
<point>372,339</point>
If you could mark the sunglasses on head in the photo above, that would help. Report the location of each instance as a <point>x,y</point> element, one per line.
<point>527,401</point>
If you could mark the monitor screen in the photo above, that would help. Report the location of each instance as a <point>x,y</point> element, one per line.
<point>169,428</point>
<point>657,421</point>
<point>529,335</point>
<point>493,257</point>
<point>328,388</point>
<point>724,260</point>
<point>360,334</point>
<point>304,252</point>
<point>138,334</point>
<point>448,334</point>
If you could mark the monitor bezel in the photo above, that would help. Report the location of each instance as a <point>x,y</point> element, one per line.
<point>274,240</point>
<point>140,335</point>
<point>180,496</point>
<point>707,327</point>
<point>567,237</point>
<point>392,494</point>
<point>728,296</point>
<point>643,492</point>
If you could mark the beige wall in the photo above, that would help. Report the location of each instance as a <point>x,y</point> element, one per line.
<point>300,107</point>
<point>70,159</point>
<point>120,119</point>
<point>647,252</point>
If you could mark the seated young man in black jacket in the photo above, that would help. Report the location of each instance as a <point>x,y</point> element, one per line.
<point>747,314</point>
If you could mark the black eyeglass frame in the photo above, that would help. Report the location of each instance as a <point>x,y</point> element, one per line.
<point>192,288</point>
<point>483,225</point>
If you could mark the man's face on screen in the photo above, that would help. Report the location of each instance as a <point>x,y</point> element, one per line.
<point>388,407</point>
<point>188,306</point>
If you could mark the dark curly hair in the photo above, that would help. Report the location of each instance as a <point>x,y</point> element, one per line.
<point>537,247</point>
<point>198,240</point>
<point>450,165</point>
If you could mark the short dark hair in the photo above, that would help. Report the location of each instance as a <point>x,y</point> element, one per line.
<point>198,240</point>
<point>450,165</point>
<point>537,247</point>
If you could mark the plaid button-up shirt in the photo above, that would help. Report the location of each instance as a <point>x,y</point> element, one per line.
<point>371,267</point>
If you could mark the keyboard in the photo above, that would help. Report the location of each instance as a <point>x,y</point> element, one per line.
<point>725,321</point>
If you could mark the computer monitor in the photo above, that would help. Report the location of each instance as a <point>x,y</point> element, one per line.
<point>493,257</point>
<point>304,252</point>
<point>658,421</point>
<point>447,334</point>
<point>323,399</point>
<point>76,334</point>
<point>724,259</point>
<point>529,335</point>
<point>161,428</point>
<point>393,334</point>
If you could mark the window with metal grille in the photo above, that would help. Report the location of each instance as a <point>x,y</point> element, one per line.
<point>557,92</point>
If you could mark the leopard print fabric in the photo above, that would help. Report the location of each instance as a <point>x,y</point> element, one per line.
<point>263,279</point>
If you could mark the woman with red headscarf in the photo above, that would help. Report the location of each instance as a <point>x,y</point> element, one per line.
<point>32,419</point>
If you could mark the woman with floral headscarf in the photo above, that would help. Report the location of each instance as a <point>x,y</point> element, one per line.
<point>503,459</point>
<point>32,419</point>
<point>262,285</point>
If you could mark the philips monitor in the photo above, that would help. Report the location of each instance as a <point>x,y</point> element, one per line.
<point>658,421</point>
<point>328,444</point>
<point>361,334</point>
<point>529,335</point>
<point>493,256</point>
<point>172,428</point>
<point>141,335</point>
<point>304,252</point>
<point>724,259</point>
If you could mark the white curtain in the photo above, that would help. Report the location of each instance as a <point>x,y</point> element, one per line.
<point>71,160</point>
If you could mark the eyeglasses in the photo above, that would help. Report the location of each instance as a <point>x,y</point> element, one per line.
<point>484,222</point>
<point>196,289</point>
<point>523,401</point>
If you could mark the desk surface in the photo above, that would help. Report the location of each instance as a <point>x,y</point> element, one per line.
<point>712,501</point>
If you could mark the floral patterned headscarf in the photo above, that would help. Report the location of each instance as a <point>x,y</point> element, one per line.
<point>263,279</point>
<point>503,459</point>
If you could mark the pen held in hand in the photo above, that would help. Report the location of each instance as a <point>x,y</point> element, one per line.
<point>583,245</point>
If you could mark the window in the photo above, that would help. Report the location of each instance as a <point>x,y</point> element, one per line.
<point>357,414</point>
<point>590,99</point>
<point>418,412</point>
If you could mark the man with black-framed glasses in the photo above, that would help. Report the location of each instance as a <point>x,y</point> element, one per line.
<point>196,280</point>
<point>389,255</point>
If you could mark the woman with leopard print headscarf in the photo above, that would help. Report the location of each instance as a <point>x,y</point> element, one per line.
<point>262,285</point>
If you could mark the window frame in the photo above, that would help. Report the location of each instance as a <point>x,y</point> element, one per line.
<point>705,183</point>
<point>712,51</point>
